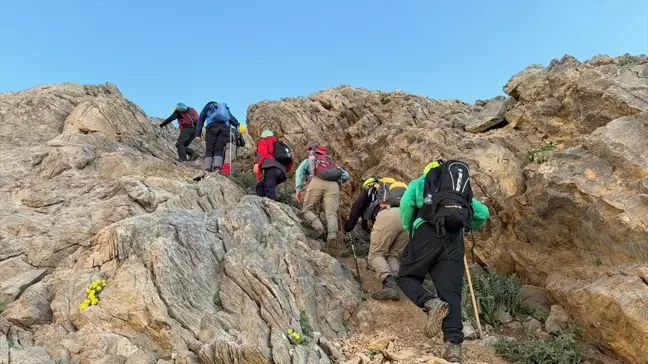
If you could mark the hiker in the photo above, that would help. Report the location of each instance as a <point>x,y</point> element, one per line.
<point>187,117</point>
<point>217,118</point>
<point>378,205</point>
<point>324,178</point>
<point>436,217</point>
<point>235,140</point>
<point>275,161</point>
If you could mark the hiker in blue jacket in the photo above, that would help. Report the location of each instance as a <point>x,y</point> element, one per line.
<point>217,118</point>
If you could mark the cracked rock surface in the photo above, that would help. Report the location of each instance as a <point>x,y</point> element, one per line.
<point>196,272</point>
<point>561,162</point>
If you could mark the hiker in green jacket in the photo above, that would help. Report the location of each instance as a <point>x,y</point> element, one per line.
<point>436,225</point>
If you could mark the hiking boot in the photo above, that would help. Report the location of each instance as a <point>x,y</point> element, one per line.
<point>452,352</point>
<point>436,310</point>
<point>390,290</point>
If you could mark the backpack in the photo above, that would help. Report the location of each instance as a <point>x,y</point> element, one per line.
<point>218,113</point>
<point>189,118</point>
<point>238,139</point>
<point>325,168</point>
<point>282,152</point>
<point>448,197</point>
<point>387,192</point>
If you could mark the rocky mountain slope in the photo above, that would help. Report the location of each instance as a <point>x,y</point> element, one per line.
<point>561,161</point>
<point>195,272</point>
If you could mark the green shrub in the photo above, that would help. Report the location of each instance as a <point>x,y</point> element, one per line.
<point>217,300</point>
<point>562,350</point>
<point>493,291</point>
<point>360,240</point>
<point>627,59</point>
<point>247,180</point>
<point>286,195</point>
<point>542,153</point>
<point>306,328</point>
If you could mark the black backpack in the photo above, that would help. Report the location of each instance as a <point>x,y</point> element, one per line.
<point>282,153</point>
<point>450,208</point>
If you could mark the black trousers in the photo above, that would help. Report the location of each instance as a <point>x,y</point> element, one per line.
<point>442,258</point>
<point>267,187</point>
<point>187,135</point>
<point>216,139</point>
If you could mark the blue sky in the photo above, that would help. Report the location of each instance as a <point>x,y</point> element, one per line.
<point>241,52</point>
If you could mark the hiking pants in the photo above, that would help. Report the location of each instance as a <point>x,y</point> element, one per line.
<point>388,240</point>
<point>187,135</point>
<point>442,258</point>
<point>328,192</point>
<point>216,139</point>
<point>267,187</point>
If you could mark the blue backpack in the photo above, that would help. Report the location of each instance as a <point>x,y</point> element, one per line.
<point>218,113</point>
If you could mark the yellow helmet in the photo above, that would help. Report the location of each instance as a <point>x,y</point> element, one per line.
<point>368,182</point>
<point>242,129</point>
<point>387,180</point>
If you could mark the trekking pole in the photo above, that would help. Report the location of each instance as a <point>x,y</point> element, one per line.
<point>472,296</point>
<point>355,257</point>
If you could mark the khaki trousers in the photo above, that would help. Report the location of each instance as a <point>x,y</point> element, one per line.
<point>388,240</point>
<point>328,193</point>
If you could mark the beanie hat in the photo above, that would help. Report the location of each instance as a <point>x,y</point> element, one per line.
<point>267,133</point>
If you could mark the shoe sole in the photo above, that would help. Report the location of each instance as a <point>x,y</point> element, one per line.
<point>435,321</point>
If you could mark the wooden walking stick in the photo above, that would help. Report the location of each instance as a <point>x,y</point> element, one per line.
<point>472,296</point>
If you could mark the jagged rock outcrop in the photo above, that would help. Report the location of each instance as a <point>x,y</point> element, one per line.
<point>196,272</point>
<point>561,162</point>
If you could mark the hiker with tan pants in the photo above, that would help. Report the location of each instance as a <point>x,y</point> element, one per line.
<point>378,205</point>
<point>324,178</point>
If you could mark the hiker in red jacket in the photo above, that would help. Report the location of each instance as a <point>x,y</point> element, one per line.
<point>270,173</point>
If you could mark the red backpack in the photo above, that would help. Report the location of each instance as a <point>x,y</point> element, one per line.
<point>188,118</point>
<point>325,168</point>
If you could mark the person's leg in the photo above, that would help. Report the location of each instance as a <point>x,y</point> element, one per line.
<point>419,257</point>
<point>221,142</point>
<point>399,241</point>
<point>181,144</point>
<point>270,180</point>
<point>382,236</point>
<point>211,135</point>
<point>191,154</point>
<point>331,207</point>
<point>448,275</point>
<point>313,195</point>
<point>260,188</point>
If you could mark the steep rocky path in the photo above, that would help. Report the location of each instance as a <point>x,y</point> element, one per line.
<point>561,162</point>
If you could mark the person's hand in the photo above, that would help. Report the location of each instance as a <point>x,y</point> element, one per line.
<point>198,139</point>
<point>255,168</point>
<point>299,196</point>
<point>161,125</point>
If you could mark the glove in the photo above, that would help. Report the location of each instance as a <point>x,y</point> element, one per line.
<point>161,125</point>
<point>299,196</point>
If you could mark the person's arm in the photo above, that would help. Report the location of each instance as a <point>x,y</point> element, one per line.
<point>481,213</point>
<point>302,172</point>
<point>173,116</point>
<point>408,206</point>
<point>358,207</point>
<point>201,120</point>
<point>233,119</point>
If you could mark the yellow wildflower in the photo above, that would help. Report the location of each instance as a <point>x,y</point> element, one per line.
<point>94,301</point>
